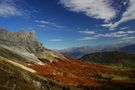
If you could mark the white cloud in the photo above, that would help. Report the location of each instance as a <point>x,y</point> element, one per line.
<point>124,28</point>
<point>42,26</point>
<point>127,15</point>
<point>43,23</point>
<point>117,34</point>
<point>130,32</point>
<point>112,26</point>
<point>99,9</point>
<point>55,40</point>
<point>122,35</point>
<point>87,32</point>
<point>128,38</point>
<point>87,38</point>
<point>111,35</point>
<point>108,25</point>
<point>9,8</point>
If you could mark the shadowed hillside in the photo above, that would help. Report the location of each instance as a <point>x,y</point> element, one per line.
<point>111,58</point>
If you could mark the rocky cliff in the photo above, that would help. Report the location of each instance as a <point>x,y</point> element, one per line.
<point>21,39</point>
<point>25,46</point>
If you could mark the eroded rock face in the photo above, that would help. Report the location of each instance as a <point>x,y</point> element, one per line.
<point>24,45</point>
<point>21,39</point>
<point>20,44</point>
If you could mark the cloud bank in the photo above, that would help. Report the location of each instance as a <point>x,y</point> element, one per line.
<point>102,9</point>
<point>87,38</point>
<point>99,9</point>
<point>128,15</point>
<point>87,32</point>
<point>121,35</point>
<point>44,23</point>
<point>9,8</point>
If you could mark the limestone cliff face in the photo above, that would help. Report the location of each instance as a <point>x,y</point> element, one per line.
<point>20,39</point>
<point>19,45</point>
<point>24,45</point>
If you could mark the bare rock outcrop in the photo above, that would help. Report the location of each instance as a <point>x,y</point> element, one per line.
<point>21,39</point>
<point>24,45</point>
<point>20,44</point>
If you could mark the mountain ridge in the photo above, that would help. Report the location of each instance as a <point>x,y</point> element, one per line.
<point>20,39</point>
<point>78,52</point>
<point>26,45</point>
<point>111,58</point>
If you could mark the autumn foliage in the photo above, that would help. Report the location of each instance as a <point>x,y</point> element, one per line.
<point>76,73</point>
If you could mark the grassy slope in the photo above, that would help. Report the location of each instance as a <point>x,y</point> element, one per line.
<point>75,73</point>
<point>111,58</point>
<point>15,78</point>
<point>61,73</point>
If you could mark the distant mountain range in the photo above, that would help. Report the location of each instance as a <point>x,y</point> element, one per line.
<point>77,52</point>
<point>128,48</point>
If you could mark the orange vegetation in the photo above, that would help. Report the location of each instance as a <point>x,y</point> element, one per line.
<point>73,72</point>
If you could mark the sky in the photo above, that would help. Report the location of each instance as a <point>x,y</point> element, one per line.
<point>70,23</point>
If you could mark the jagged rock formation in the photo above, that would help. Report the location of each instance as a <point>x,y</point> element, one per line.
<point>21,39</point>
<point>24,45</point>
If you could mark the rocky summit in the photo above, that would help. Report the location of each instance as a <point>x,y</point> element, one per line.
<point>25,45</point>
<point>21,39</point>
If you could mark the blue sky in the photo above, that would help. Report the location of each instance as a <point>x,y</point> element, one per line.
<point>70,23</point>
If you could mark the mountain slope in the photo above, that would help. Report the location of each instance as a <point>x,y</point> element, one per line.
<point>111,58</point>
<point>129,48</point>
<point>75,73</point>
<point>17,51</point>
<point>26,63</point>
<point>18,77</point>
